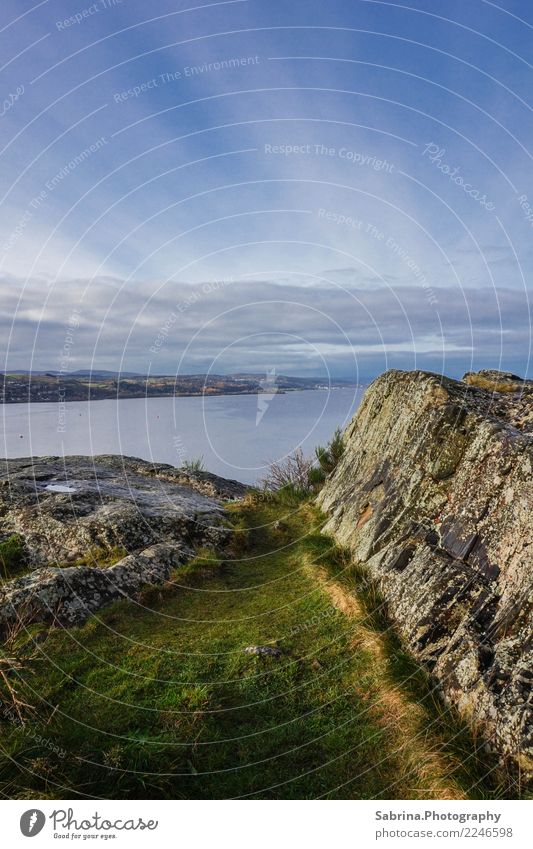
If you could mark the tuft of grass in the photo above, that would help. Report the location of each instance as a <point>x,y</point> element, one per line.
<point>99,557</point>
<point>195,464</point>
<point>13,557</point>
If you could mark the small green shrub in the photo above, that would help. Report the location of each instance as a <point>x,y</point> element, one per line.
<point>316,477</point>
<point>291,494</point>
<point>328,456</point>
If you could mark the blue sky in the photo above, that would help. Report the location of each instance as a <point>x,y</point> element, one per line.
<point>317,187</point>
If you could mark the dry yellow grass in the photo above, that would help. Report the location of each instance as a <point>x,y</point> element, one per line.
<point>421,749</point>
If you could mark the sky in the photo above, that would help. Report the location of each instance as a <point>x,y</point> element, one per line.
<point>320,188</point>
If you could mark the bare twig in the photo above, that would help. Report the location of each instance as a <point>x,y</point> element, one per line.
<point>293,470</point>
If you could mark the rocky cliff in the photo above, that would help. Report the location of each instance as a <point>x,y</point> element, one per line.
<point>434,494</point>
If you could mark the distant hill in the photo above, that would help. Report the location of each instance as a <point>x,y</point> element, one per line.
<point>79,373</point>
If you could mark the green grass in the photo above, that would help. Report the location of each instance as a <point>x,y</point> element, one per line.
<point>12,557</point>
<point>195,464</point>
<point>157,699</point>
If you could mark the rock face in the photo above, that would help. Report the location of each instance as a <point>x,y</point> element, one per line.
<point>434,493</point>
<point>65,509</point>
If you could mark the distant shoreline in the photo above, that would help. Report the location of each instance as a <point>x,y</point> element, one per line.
<point>10,403</point>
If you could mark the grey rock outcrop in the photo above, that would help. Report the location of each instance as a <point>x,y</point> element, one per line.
<point>64,506</point>
<point>67,509</point>
<point>434,494</point>
<point>68,596</point>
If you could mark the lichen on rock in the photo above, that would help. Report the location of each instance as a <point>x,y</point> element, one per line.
<point>434,494</point>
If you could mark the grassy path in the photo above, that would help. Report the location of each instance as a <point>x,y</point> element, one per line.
<point>158,698</point>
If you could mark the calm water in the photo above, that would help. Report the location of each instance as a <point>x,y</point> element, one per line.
<point>238,436</point>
